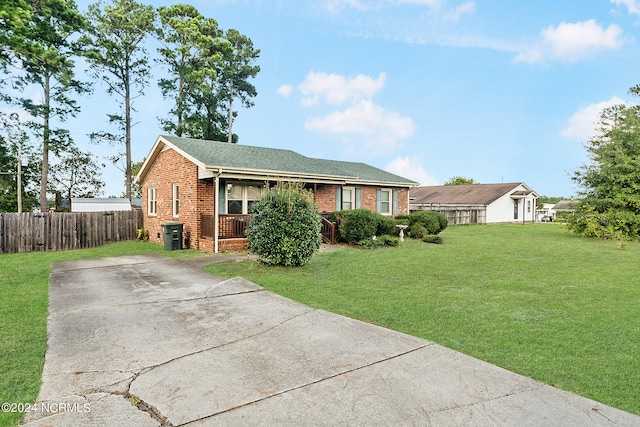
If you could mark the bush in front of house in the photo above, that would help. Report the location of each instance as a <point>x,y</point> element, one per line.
<point>386,226</point>
<point>357,226</point>
<point>424,223</point>
<point>285,228</point>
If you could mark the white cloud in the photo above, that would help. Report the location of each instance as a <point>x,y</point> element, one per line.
<point>411,168</point>
<point>460,10</point>
<point>632,5</point>
<point>582,124</point>
<point>572,42</point>
<point>285,90</point>
<point>382,130</point>
<point>336,89</point>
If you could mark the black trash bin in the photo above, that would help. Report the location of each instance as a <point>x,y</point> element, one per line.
<point>172,233</point>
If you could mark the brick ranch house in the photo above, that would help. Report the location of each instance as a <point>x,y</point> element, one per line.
<point>209,187</point>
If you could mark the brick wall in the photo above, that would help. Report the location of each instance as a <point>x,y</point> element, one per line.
<point>195,196</point>
<point>326,198</point>
<point>403,201</point>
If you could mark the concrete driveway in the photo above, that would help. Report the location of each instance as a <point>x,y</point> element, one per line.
<point>147,341</point>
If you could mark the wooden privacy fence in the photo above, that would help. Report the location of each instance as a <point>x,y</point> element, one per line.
<point>34,231</point>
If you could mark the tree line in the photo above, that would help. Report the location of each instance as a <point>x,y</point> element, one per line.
<point>207,73</point>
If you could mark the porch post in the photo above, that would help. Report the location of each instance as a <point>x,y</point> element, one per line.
<point>216,208</point>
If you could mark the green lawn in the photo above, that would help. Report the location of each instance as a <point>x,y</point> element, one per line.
<point>24,279</point>
<point>533,299</point>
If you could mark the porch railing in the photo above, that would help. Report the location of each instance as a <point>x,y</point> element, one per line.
<point>328,231</point>
<point>234,226</point>
<point>229,226</point>
<point>207,229</point>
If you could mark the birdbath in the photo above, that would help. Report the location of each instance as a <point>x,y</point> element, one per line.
<point>401,227</point>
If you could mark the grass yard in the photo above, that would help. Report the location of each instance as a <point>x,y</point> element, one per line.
<point>534,299</point>
<point>24,280</point>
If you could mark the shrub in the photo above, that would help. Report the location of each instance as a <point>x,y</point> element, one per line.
<point>432,223</point>
<point>385,240</point>
<point>285,228</point>
<point>358,226</point>
<point>432,239</point>
<point>417,231</point>
<point>610,224</point>
<point>355,225</point>
<point>388,240</point>
<point>386,225</point>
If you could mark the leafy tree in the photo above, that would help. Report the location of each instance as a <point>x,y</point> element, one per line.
<point>460,180</point>
<point>285,229</point>
<point>136,189</point>
<point>117,56</point>
<point>547,199</point>
<point>191,51</point>
<point>77,174</point>
<point>212,113</point>
<point>610,182</point>
<point>14,17</point>
<point>237,68</point>
<point>43,45</point>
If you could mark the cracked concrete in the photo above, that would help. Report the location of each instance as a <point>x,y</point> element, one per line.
<point>150,341</point>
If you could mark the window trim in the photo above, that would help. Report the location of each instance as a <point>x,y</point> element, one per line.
<point>245,195</point>
<point>175,200</point>
<point>389,202</point>
<point>152,201</point>
<point>352,199</point>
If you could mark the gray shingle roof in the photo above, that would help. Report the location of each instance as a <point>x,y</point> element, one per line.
<point>566,205</point>
<point>469,194</point>
<point>215,155</point>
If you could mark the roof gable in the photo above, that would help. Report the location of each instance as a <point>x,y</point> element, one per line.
<point>214,155</point>
<point>468,194</point>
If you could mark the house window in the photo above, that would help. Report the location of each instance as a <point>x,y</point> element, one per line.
<point>234,198</point>
<point>240,198</point>
<point>347,198</point>
<point>528,205</point>
<point>385,201</point>
<point>253,194</point>
<point>515,208</point>
<point>176,200</point>
<point>152,201</point>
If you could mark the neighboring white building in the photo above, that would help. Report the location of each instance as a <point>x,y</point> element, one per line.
<point>99,204</point>
<point>477,203</point>
<point>546,212</point>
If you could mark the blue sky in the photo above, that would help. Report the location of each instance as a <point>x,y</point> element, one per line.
<point>428,89</point>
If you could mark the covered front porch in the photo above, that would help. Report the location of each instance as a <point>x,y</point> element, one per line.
<point>232,230</point>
